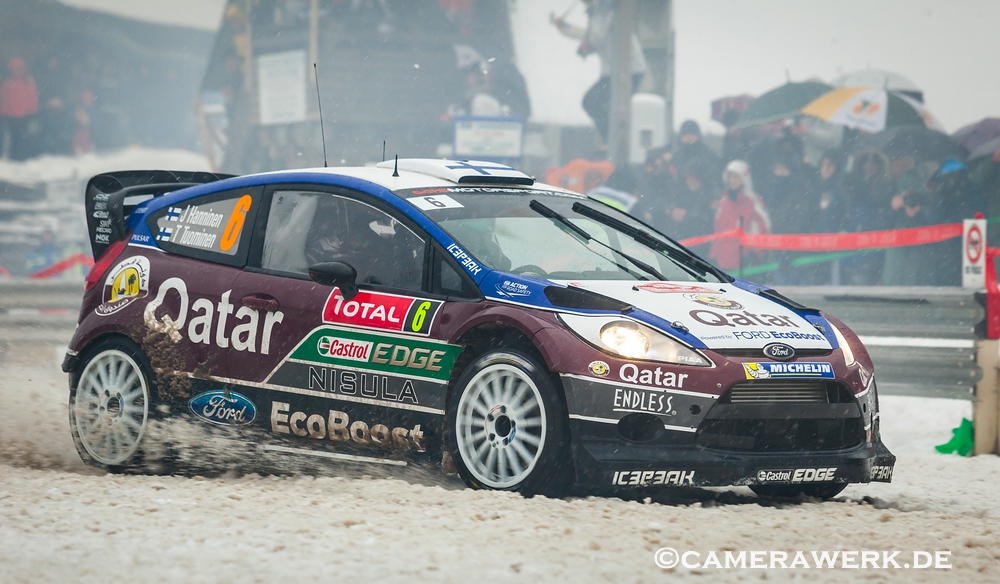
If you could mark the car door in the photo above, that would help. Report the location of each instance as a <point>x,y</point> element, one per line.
<point>358,375</point>
<point>187,319</point>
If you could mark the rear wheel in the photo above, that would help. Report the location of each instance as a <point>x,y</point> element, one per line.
<point>507,426</point>
<point>820,491</point>
<point>109,406</point>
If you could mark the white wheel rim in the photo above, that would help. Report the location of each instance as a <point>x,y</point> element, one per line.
<point>111,407</point>
<point>500,426</point>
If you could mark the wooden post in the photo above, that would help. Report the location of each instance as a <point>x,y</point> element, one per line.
<point>986,406</point>
<point>621,84</point>
<point>313,31</point>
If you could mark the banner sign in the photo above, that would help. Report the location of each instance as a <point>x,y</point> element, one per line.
<point>488,138</point>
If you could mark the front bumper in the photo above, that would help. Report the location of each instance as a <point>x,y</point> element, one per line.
<point>680,444</point>
<point>619,464</point>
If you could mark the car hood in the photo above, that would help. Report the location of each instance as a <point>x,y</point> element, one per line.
<point>722,316</point>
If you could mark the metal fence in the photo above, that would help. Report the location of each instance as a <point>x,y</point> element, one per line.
<point>922,340</point>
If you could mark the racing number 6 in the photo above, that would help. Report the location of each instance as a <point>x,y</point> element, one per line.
<point>419,316</point>
<point>232,233</point>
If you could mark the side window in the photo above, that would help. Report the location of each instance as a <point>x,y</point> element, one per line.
<point>212,227</point>
<point>449,280</point>
<point>305,228</point>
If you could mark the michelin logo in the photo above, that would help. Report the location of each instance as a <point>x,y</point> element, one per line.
<point>785,370</point>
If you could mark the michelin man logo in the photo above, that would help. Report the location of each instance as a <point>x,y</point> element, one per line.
<point>756,371</point>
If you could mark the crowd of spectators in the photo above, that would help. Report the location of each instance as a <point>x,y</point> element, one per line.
<point>43,113</point>
<point>769,186</point>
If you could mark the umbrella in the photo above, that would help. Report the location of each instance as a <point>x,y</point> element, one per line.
<point>881,80</point>
<point>975,135</point>
<point>781,103</point>
<point>869,110</point>
<point>917,141</point>
<point>991,148</point>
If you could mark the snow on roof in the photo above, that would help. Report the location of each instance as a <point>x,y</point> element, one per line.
<point>417,173</point>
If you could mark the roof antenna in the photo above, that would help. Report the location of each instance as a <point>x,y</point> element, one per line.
<point>395,167</point>
<point>319,102</point>
<point>383,150</point>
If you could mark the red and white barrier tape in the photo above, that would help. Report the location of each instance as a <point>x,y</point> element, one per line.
<point>836,241</point>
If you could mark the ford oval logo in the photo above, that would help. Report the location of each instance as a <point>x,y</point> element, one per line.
<point>226,408</point>
<point>779,351</point>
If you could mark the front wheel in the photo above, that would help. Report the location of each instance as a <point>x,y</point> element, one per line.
<point>507,426</point>
<point>109,406</point>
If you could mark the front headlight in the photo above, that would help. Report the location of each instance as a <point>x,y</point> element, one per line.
<point>844,346</point>
<point>632,340</point>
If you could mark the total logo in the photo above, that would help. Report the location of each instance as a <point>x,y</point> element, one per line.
<point>714,301</point>
<point>382,311</point>
<point>799,475</point>
<point>126,283</point>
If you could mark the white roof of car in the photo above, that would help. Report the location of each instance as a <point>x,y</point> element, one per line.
<point>417,173</point>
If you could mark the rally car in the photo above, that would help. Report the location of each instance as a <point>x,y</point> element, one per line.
<point>452,313</point>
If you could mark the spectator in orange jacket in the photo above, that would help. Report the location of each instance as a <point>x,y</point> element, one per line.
<point>739,206</point>
<point>18,106</point>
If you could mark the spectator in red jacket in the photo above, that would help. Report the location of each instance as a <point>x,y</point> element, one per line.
<point>18,106</point>
<point>739,206</point>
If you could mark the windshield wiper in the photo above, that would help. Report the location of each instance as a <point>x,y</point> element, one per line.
<point>581,233</point>
<point>643,237</point>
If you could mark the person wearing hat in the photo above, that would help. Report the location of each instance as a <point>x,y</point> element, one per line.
<point>910,265</point>
<point>953,198</point>
<point>691,149</point>
<point>18,106</point>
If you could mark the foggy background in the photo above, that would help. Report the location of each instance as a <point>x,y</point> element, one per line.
<point>727,47</point>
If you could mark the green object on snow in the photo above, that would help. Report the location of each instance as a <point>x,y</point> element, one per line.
<point>961,440</point>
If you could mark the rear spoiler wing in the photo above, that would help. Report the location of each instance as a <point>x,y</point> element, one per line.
<point>110,198</point>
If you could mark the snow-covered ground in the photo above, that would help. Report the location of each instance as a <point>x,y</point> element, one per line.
<point>51,168</point>
<point>63,522</point>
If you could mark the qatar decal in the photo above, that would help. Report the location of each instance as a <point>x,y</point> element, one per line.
<point>722,316</point>
<point>126,283</point>
<point>376,310</point>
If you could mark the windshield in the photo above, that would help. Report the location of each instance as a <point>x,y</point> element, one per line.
<point>555,239</point>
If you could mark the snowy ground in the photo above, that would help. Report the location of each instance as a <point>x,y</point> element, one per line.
<point>59,168</point>
<point>63,522</point>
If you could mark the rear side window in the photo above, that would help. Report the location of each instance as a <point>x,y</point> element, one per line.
<point>213,227</point>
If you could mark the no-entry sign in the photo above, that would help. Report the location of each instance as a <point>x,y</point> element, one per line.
<point>974,253</point>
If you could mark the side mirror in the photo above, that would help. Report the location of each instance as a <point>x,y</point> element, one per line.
<point>337,274</point>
